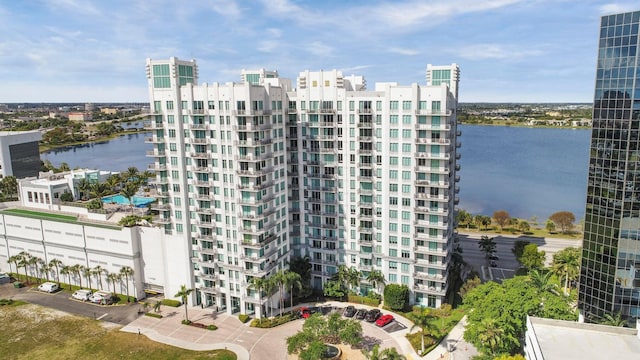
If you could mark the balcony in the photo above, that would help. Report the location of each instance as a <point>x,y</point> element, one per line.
<point>197,140</point>
<point>433,290</point>
<point>160,207</point>
<point>162,220</point>
<point>208,237</point>
<point>156,153</point>
<point>426,276</point>
<point>209,251</point>
<point>152,125</point>
<point>440,127</point>
<point>157,167</point>
<point>427,251</point>
<point>198,126</point>
<point>433,112</point>
<point>365,124</point>
<point>365,267</point>
<point>430,141</point>
<point>154,139</point>
<point>200,155</point>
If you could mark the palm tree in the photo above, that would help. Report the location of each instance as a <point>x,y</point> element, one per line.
<point>184,295</point>
<point>269,286</point>
<point>129,191</point>
<point>45,269</point>
<point>56,263</point>
<point>490,335</point>
<point>292,280</point>
<point>258,284</point>
<point>67,270</point>
<point>376,278</point>
<point>87,272</point>
<point>391,354</point>
<point>542,281</point>
<point>566,263</point>
<point>77,271</point>
<point>353,278</point>
<point>342,276</point>
<point>112,182</point>
<point>34,261</point>
<point>97,272</point>
<point>126,271</point>
<point>98,190</point>
<point>423,320</point>
<point>279,281</point>
<point>113,277</point>
<point>487,245</point>
<point>131,175</point>
<point>23,261</point>
<point>83,186</point>
<point>611,320</point>
<point>14,259</point>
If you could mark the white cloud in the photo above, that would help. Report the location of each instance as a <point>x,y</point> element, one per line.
<point>402,51</point>
<point>494,51</point>
<point>77,6</point>
<point>615,8</point>
<point>268,46</point>
<point>356,68</point>
<point>319,49</point>
<point>227,8</point>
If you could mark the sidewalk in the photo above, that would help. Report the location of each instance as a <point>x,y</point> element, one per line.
<point>452,342</point>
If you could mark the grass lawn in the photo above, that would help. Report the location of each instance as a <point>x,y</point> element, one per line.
<point>576,235</point>
<point>33,332</point>
<point>54,217</point>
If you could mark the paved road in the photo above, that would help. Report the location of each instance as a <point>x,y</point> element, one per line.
<point>119,314</point>
<point>507,263</point>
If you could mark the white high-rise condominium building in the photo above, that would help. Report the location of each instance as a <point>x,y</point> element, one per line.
<point>255,173</point>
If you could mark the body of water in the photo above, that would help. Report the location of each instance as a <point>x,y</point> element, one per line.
<point>114,155</point>
<point>526,171</point>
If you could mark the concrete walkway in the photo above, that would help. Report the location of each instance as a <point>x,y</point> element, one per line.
<point>269,344</point>
<point>453,345</point>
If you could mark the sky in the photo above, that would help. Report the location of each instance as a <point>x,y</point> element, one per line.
<point>507,50</point>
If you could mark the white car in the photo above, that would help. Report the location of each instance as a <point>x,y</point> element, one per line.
<point>83,295</point>
<point>48,287</point>
<point>101,297</point>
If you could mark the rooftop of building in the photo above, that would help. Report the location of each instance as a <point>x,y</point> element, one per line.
<point>560,339</point>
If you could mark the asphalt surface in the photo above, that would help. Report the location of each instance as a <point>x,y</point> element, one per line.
<point>507,263</point>
<point>61,300</point>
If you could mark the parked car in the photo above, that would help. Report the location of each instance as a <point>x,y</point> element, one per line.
<point>304,312</point>
<point>48,287</point>
<point>101,297</point>
<point>361,314</point>
<point>384,320</point>
<point>373,315</point>
<point>350,311</point>
<point>82,294</point>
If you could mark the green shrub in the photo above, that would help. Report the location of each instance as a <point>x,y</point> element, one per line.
<point>173,303</point>
<point>363,300</point>
<point>243,318</point>
<point>212,327</point>
<point>396,297</point>
<point>154,315</point>
<point>272,322</point>
<point>186,322</point>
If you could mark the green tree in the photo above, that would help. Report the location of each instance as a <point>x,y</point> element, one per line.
<point>302,267</point>
<point>184,295</point>
<point>98,271</point>
<point>15,259</point>
<point>564,220</point>
<point>463,217</point>
<point>67,270</point>
<point>376,279</point>
<point>24,263</point>
<point>396,296</point>
<point>127,272</point>
<point>532,258</point>
<point>491,335</point>
<point>279,279</point>
<point>469,285</point>
<point>292,280</point>
<point>113,277</point>
<point>541,280</point>
<point>334,289</point>
<point>98,190</point>
<point>566,264</point>
<point>77,271</point>
<point>518,249</point>
<point>487,245</point>
<point>86,271</point>
<point>9,185</point>
<point>258,284</point>
<point>45,269</point>
<point>35,261</point>
<point>550,226</point>
<point>318,330</point>
<point>524,226</point>
<point>129,191</point>
<point>422,319</point>
<point>386,354</point>
<point>83,186</point>
<point>57,263</point>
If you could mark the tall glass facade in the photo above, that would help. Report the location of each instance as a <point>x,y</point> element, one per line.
<point>610,273</point>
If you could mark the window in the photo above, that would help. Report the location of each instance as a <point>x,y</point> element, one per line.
<point>393,133</point>
<point>161,77</point>
<point>393,174</point>
<point>406,134</point>
<point>406,119</point>
<point>406,148</point>
<point>393,147</point>
<point>406,105</point>
<point>393,105</point>
<point>393,119</point>
<point>169,105</point>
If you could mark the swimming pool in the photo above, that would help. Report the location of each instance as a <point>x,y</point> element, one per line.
<point>138,201</point>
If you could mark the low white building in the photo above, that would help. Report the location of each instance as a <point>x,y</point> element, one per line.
<point>75,235</point>
<point>19,153</point>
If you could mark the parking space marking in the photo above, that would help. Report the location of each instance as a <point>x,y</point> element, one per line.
<point>102,316</point>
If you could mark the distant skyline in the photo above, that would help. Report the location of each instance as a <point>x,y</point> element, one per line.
<point>508,50</point>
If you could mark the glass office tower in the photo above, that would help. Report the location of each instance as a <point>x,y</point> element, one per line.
<point>610,273</point>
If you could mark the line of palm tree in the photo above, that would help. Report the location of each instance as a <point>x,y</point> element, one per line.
<point>77,271</point>
<point>67,270</point>
<point>57,263</point>
<point>35,261</point>
<point>113,277</point>
<point>23,261</point>
<point>45,269</point>
<point>87,272</point>
<point>15,259</point>
<point>98,272</point>
<point>184,295</point>
<point>127,272</point>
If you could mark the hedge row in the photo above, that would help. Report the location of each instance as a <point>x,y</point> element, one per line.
<point>154,315</point>
<point>199,325</point>
<point>243,318</point>
<point>363,300</point>
<point>273,322</point>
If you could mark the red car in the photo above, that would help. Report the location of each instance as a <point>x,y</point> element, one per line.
<point>384,320</point>
<point>304,312</point>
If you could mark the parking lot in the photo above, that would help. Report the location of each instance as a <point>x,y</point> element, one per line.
<point>61,300</point>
